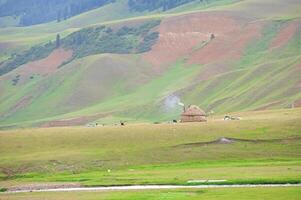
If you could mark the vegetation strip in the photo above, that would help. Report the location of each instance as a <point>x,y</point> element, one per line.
<point>91,41</point>
<point>155,187</point>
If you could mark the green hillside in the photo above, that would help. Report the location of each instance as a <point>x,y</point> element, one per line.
<point>91,41</point>
<point>224,56</point>
<point>33,12</point>
<point>20,38</point>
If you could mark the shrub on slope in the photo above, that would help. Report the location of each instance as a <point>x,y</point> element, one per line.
<point>96,40</point>
<point>142,5</point>
<point>34,53</point>
<point>93,40</point>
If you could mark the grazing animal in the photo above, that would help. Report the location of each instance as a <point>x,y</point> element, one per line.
<point>227,117</point>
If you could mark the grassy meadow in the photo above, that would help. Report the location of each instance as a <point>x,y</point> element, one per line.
<point>266,148</point>
<point>257,80</point>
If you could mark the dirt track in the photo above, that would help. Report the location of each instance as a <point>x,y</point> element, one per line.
<point>154,187</point>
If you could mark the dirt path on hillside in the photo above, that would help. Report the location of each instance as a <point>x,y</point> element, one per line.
<point>152,187</point>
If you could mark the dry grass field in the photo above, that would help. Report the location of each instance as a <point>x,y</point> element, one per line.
<point>262,147</point>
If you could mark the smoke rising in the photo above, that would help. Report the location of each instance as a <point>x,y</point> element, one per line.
<point>171,102</point>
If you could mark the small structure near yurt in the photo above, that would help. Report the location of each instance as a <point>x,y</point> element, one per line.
<point>193,114</point>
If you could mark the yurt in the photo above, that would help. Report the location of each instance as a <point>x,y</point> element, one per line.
<point>193,114</point>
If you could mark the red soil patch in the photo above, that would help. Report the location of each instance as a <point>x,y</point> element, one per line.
<point>299,66</point>
<point>299,85</point>
<point>179,35</point>
<point>297,103</point>
<point>284,35</point>
<point>228,45</point>
<point>224,49</point>
<point>182,36</point>
<point>23,102</point>
<point>47,65</point>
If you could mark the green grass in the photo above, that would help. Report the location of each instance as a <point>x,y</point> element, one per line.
<point>73,76</point>
<point>149,153</point>
<point>9,21</point>
<point>286,172</point>
<point>263,9</point>
<point>205,5</point>
<point>256,50</point>
<point>154,154</point>
<point>260,77</point>
<point>279,193</point>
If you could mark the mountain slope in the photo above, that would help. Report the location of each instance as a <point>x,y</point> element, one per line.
<point>40,11</point>
<point>16,39</point>
<point>221,59</point>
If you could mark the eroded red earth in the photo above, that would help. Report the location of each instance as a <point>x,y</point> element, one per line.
<point>45,66</point>
<point>189,36</point>
<point>284,35</point>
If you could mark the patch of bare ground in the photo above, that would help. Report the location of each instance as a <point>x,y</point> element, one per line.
<point>45,66</point>
<point>228,45</point>
<point>10,172</point>
<point>21,104</point>
<point>297,103</point>
<point>180,35</point>
<point>185,36</point>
